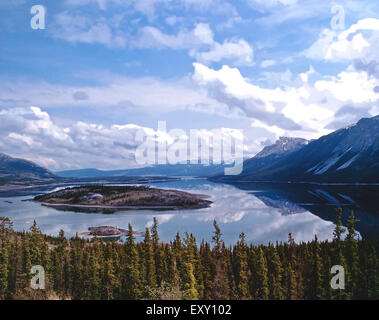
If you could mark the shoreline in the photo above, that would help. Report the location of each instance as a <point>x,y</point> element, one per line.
<point>143,180</point>
<point>118,208</point>
<point>110,199</point>
<point>131,180</point>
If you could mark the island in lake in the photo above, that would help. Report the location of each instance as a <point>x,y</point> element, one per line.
<point>106,233</point>
<point>109,199</point>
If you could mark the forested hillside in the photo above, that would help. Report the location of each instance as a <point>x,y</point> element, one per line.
<point>182,269</point>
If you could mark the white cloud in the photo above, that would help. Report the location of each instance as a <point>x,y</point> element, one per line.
<point>146,93</point>
<point>31,133</point>
<point>282,11</point>
<point>305,75</point>
<point>278,132</point>
<point>319,48</point>
<point>81,29</point>
<point>200,43</point>
<point>355,87</point>
<point>354,43</point>
<point>151,37</point>
<point>238,51</point>
<point>266,4</point>
<point>149,7</point>
<point>101,3</point>
<point>277,79</point>
<point>173,20</point>
<point>267,63</point>
<point>305,110</point>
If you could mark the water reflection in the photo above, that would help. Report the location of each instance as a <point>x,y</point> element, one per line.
<point>265,213</point>
<point>323,200</point>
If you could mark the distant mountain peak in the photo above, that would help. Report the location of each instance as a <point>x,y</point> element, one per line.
<point>282,145</point>
<point>348,155</point>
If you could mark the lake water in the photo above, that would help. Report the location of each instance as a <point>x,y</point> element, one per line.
<point>264,212</point>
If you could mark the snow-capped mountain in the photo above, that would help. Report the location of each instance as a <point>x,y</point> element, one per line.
<point>346,155</point>
<point>272,154</point>
<point>282,146</point>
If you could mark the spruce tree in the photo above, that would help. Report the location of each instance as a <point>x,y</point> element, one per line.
<point>338,256</point>
<point>150,275</point>
<point>338,230</point>
<point>220,282</point>
<point>158,254</point>
<point>108,281</point>
<point>275,274</point>
<point>352,257</point>
<point>242,272</point>
<point>4,261</point>
<point>190,285</point>
<point>316,276</point>
<point>208,270</point>
<point>262,292</point>
<point>132,285</point>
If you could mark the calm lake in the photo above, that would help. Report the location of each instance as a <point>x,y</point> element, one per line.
<point>264,212</point>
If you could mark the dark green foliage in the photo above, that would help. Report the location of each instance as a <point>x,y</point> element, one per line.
<point>150,269</point>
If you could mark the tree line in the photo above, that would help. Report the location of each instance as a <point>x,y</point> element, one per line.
<point>183,269</point>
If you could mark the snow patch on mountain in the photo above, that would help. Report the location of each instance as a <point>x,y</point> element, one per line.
<point>283,145</point>
<point>326,165</point>
<point>322,167</point>
<point>348,163</point>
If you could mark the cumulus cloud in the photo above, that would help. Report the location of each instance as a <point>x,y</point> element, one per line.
<point>200,43</point>
<point>31,133</point>
<point>238,51</point>
<point>371,67</point>
<point>349,114</point>
<point>356,87</point>
<point>360,41</point>
<point>304,110</point>
<point>228,86</point>
<point>354,90</point>
<point>151,37</point>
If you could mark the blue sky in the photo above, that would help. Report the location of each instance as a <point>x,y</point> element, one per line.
<point>73,94</point>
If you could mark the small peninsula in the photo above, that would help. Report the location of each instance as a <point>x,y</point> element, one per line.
<point>110,199</point>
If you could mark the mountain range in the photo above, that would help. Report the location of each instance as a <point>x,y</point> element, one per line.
<point>348,155</point>
<point>166,170</point>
